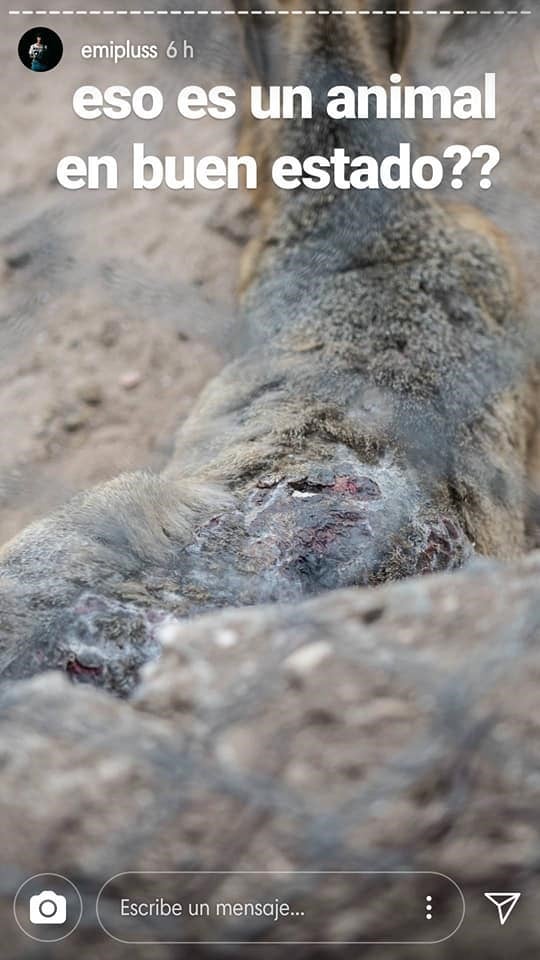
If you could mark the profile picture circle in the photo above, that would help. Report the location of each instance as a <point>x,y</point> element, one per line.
<point>40,49</point>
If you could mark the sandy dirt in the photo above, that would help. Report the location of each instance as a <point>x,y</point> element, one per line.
<point>102,294</point>
<point>112,300</point>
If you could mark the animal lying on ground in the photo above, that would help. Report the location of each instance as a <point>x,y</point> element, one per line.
<point>375,425</point>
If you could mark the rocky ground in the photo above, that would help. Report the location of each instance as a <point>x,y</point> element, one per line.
<point>382,730</point>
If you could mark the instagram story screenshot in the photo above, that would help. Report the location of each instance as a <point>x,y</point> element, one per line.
<point>270,480</point>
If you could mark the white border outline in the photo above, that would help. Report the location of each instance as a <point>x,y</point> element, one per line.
<point>290,13</point>
<point>185,13</point>
<point>276,943</point>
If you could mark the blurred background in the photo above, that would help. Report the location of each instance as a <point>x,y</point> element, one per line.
<point>117,306</point>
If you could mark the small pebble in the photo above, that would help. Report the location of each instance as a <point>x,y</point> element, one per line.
<point>130,379</point>
<point>169,633</point>
<point>91,393</point>
<point>73,420</point>
<point>307,658</point>
<point>225,638</point>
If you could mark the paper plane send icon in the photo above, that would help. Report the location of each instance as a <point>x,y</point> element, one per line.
<point>505,903</point>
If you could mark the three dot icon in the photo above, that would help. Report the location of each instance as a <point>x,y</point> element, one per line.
<point>429,907</point>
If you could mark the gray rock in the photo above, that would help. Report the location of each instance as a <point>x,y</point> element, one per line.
<point>385,729</point>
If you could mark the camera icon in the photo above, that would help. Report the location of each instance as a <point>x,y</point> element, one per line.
<point>48,907</point>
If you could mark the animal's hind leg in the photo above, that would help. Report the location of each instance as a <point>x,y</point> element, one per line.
<point>85,589</point>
